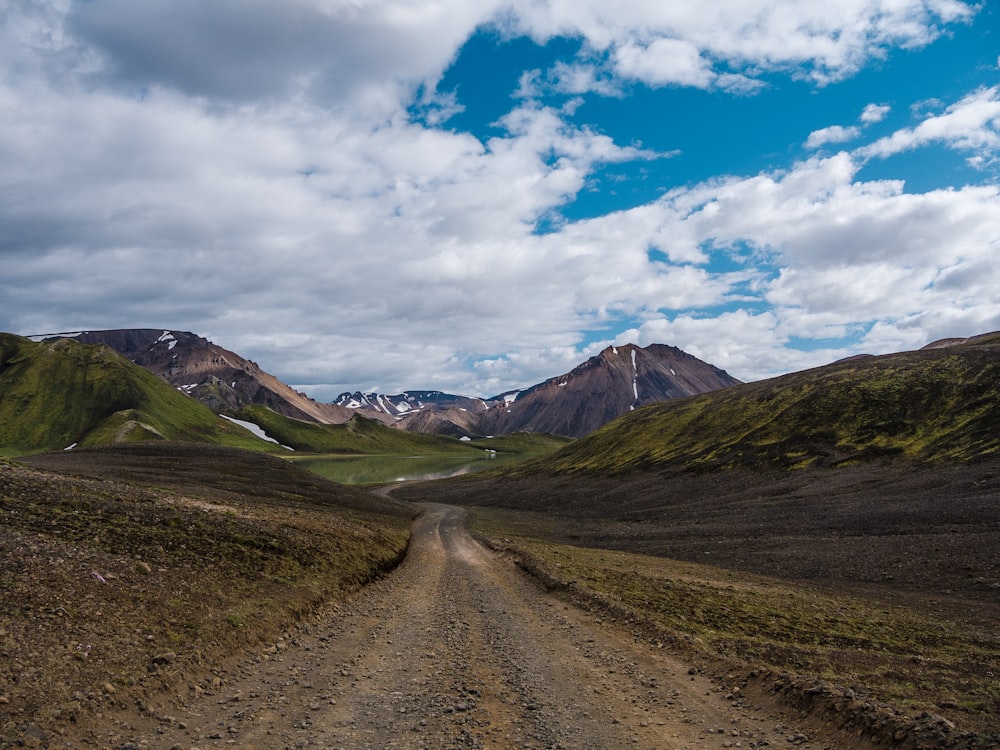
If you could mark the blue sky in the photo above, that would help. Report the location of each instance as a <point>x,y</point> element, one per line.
<point>475,197</point>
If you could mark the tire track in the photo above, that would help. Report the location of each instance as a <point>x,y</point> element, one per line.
<point>458,649</point>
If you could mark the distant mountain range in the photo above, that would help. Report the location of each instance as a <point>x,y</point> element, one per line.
<point>58,394</point>
<point>607,385</point>
<point>612,383</point>
<point>937,404</point>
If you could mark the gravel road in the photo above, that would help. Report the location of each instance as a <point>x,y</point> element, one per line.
<point>458,649</point>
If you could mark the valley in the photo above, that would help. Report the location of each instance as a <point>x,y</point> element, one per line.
<point>591,624</point>
<point>808,560</point>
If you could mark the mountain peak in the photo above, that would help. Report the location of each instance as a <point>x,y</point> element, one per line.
<point>619,379</point>
<point>219,378</point>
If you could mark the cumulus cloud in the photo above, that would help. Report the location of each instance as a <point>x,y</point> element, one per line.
<point>282,179</point>
<point>728,44</point>
<point>832,134</point>
<point>875,113</point>
<point>972,124</point>
<point>664,60</point>
<point>368,55</point>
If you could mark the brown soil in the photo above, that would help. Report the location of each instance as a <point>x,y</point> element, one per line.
<point>111,591</point>
<point>246,632</point>
<point>912,543</point>
<point>928,530</point>
<point>457,649</point>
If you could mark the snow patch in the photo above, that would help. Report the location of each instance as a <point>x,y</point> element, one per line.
<point>672,372</point>
<point>635,379</point>
<point>172,344</point>
<point>70,447</point>
<point>165,336</point>
<point>510,398</point>
<point>465,439</point>
<point>40,337</point>
<point>255,429</point>
<point>562,384</point>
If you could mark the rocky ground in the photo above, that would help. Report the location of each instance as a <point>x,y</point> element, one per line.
<point>891,571</point>
<point>458,649</point>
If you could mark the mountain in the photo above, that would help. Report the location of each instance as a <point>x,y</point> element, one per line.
<point>933,405</point>
<point>612,383</point>
<point>217,377</point>
<point>59,394</point>
<point>616,381</point>
<point>408,402</point>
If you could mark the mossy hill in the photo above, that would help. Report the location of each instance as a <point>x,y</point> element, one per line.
<point>61,393</point>
<point>932,405</point>
<point>358,435</point>
<point>361,435</point>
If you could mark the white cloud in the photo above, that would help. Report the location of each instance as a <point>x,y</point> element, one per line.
<point>970,124</point>
<point>875,113</point>
<point>832,134</point>
<point>663,61</point>
<point>728,43</point>
<point>253,172</point>
<point>872,114</point>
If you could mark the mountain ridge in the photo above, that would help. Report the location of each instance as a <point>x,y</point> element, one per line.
<point>936,404</point>
<point>616,380</point>
<point>217,377</point>
<point>58,394</point>
<point>612,382</point>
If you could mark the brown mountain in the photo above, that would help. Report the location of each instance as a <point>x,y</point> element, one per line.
<point>606,386</point>
<point>217,377</point>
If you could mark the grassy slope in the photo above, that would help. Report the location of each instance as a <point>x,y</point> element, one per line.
<point>929,405</point>
<point>359,435</point>
<point>59,393</point>
<point>200,551</point>
<point>524,443</point>
<point>909,657</point>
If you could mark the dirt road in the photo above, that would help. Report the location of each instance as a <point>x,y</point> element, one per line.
<point>458,649</point>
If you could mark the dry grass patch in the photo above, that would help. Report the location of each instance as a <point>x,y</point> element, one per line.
<point>914,660</point>
<point>109,590</point>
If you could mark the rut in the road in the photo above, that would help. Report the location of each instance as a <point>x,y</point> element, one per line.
<point>458,649</point>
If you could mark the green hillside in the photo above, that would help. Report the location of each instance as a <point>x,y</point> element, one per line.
<point>61,393</point>
<point>935,405</point>
<point>524,443</point>
<point>359,435</point>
